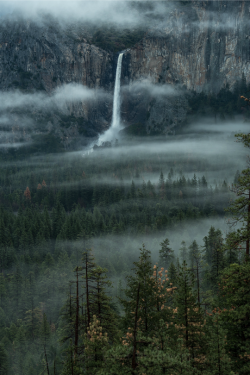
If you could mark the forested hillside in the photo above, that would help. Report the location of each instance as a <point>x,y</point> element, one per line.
<point>71,225</point>
<point>131,255</point>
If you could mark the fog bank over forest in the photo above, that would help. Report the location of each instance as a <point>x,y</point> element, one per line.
<point>118,257</point>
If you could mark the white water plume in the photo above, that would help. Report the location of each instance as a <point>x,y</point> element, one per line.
<point>117,100</point>
<point>116,119</point>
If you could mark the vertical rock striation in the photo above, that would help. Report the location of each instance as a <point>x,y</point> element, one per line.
<point>203,45</point>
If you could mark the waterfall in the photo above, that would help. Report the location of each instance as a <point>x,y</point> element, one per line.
<point>115,124</point>
<point>112,132</point>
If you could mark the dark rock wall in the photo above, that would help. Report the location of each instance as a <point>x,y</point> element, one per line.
<point>51,57</point>
<point>202,45</point>
<point>40,58</point>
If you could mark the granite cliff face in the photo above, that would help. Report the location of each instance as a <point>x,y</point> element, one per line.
<point>50,57</point>
<point>41,58</point>
<point>202,45</point>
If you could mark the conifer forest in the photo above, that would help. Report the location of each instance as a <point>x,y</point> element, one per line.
<point>124,187</point>
<point>123,262</point>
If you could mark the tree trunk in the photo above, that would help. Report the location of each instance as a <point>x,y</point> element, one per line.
<point>98,301</point>
<point>134,364</point>
<point>248,226</point>
<point>77,312</point>
<point>198,283</point>
<point>186,319</point>
<point>87,290</point>
<point>218,350</point>
<point>46,359</point>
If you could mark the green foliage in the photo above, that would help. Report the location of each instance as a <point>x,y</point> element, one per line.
<point>217,360</point>
<point>234,293</point>
<point>158,325</point>
<point>240,212</point>
<point>140,286</point>
<point>96,343</point>
<point>166,254</point>
<point>214,257</point>
<point>3,360</point>
<point>183,251</point>
<point>223,105</point>
<point>190,318</point>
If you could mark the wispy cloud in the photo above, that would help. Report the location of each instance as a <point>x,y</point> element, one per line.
<point>62,95</point>
<point>14,145</point>
<point>146,85</point>
<point>120,12</point>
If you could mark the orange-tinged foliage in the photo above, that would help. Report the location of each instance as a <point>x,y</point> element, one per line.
<point>245,99</point>
<point>94,332</point>
<point>27,193</point>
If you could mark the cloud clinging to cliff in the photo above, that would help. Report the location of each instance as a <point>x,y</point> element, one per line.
<point>70,93</point>
<point>158,16</point>
<point>147,86</point>
<point>97,11</point>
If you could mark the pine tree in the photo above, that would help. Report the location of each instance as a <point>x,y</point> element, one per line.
<point>161,186</point>
<point>194,185</point>
<point>72,329</point>
<point>212,242</point>
<point>231,254</point>
<point>133,190</point>
<point>20,348</point>
<point>234,294</point>
<point>161,181</point>
<point>70,367</point>
<point>101,302</point>
<point>218,264</point>
<point>183,251</point>
<point>96,343</point>
<point>33,314</point>
<point>166,254</point>
<point>58,218</point>
<point>240,209</point>
<point>3,360</point>
<point>27,194</point>
<point>195,258</point>
<point>88,266</point>
<point>139,294</point>
<point>189,318</point>
<point>3,291</point>
<point>145,347</point>
<point>217,360</point>
<point>172,274</point>
<point>85,312</point>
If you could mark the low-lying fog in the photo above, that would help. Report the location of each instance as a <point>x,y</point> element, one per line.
<point>202,148</point>
<point>118,252</point>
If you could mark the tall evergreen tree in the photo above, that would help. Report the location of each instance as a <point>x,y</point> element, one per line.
<point>217,359</point>
<point>235,315</point>
<point>240,208</point>
<point>166,254</point>
<point>195,258</point>
<point>189,318</point>
<point>139,294</point>
<point>183,251</point>
<point>3,360</point>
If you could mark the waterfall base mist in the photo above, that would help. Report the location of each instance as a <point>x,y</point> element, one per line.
<point>113,131</point>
